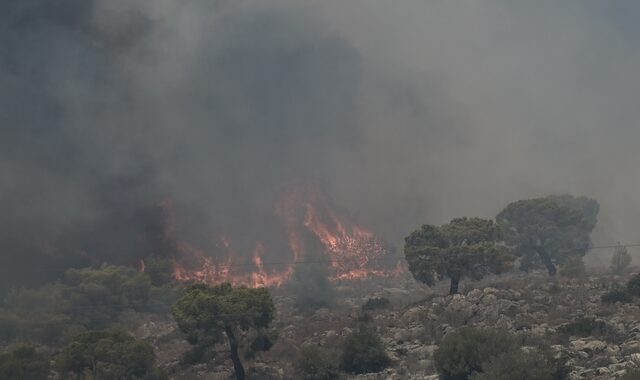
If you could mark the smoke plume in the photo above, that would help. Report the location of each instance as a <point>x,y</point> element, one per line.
<point>123,119</point>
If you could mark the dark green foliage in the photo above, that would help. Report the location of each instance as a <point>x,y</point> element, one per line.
<point>589,326</point>
<point>262,341</point>
<point>23,362</point>
<point>363,351</point>
<point>375,303</point>
<point>547,231</point>
<point>159,270</point>
<point>466,247</point>
<point>633,285</point>
<point>584,327</point>
<point>315,363</point>
<point>84,299</point>
<point>590,208</point>
<point>620,260</point>
<point>107,355</point>
<point>108,285</point>
<point>573,267</point>
<point>466,351</point>
<point>617,294</point>
<point>208,314</point>
<point>533,364</point>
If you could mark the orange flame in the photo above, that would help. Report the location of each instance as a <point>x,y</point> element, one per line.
<point>353,251</point>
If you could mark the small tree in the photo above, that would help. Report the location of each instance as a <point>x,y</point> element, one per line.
<point>206,312</point>
<point>107,355</point>
<point>620,260</point>
<point>466,247</point>
<point>546,231</point>
<point>363,351</point>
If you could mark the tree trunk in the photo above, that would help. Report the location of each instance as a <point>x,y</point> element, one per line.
<point>453,289</point>
<point>546,260</point>
<point>233,345</point>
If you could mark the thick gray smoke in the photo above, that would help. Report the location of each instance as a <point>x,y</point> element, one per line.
<point>406,112</point>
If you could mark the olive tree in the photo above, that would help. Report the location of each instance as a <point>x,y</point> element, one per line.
<point>206,314</point>
<point>466,247</point>
<point>547,231</point>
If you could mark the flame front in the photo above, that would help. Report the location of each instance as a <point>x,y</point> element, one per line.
<point>351,251</point>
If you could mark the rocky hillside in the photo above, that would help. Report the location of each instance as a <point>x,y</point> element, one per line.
<point>601,340</point>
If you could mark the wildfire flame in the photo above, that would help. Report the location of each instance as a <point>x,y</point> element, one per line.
<point>352,251</point>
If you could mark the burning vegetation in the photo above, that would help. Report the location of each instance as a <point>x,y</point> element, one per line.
<point>309,219</point>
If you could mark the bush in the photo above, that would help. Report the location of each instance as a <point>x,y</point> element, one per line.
<point>620,260</point>
<point>23,362</point>
<point>536,364</point>
<point>107,354</point>
<point>363,351</point>
<point>633,285</point>
<point>375,303</point>
<point>465,352</point>
<point>589,326</point>
<point>316,364</point>
<point>617,294</point>
<point>573,267</point>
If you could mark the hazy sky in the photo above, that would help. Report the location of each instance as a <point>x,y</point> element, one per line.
<point>407,112</point>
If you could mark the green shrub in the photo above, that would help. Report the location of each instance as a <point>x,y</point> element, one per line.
<point>375,303</point>
<point>573,267</point>
<point>589,326</point>
<point>363,351</point>
<point>316,364</point>
<point>23,362</point>
<point>464,353</point>
<point>584,327</point>
<point>617,294</point>
<point>108,355</point>
<point>633,285</point>
<point>535,364</point>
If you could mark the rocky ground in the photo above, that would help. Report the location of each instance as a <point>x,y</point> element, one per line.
<point>532,306</point>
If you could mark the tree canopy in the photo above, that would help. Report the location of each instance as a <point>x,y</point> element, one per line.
<point>208,313</point>
<point>465,247</point>
<point>23,362</point>
<point>547,231</point>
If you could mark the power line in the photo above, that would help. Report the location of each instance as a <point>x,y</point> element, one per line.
<point>616,246</point>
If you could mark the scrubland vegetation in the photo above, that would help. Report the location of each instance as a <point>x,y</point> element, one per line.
<point>503,314</point>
